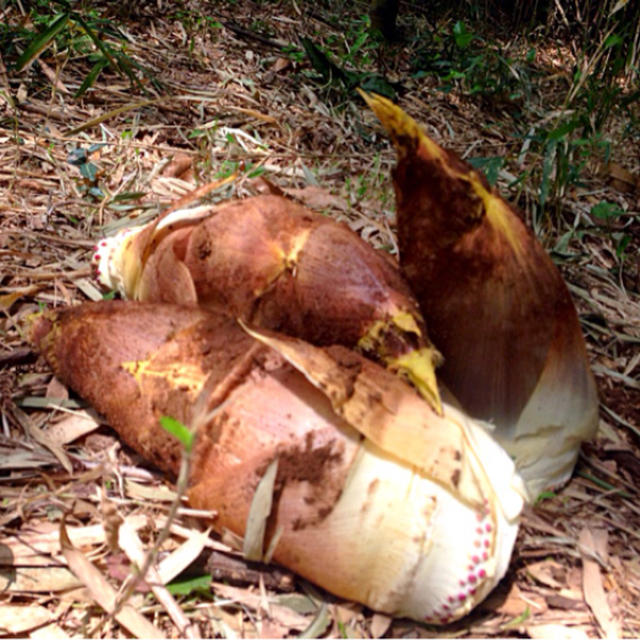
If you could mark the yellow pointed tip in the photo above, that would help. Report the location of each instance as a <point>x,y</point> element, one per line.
<point>383,108</point>
<point>401,127</point>
<point>392,117</point>
<point>419,368</point>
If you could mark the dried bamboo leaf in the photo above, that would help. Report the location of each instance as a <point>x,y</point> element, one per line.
<point>73,426</point>
<point>17,619</point>
<point>103,593</point>
<point>43,438</point>
<point>554,631</point>
<point>45,579</point>
<point>289,617</point>
<point>177,561</point>
<point>131,544</point>
<point>592,582</point>
<point>259,512</point>
<point>49,632</point>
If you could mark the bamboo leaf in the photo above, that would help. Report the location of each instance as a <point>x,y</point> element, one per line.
<point>258,514</point>
<point>89,171</point>
<point>34,402</point>
<point>77,157</point>
<point>115,112</point>
<point>128,195</point>
<point>319,624</point>
<point>547,168</point>
<point>42,42</point>
<point>321,62</point>
<point>102,592</point>
<point>199,585</point>
<point>619,5</point>
<point>99,44</point>
<point>462,35</point>
<point>90,78</point>
<point>612,41</point>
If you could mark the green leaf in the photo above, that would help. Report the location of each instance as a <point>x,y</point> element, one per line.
<point>42,41</point>
<point>254,173</point>
<point>454,74</point>
<point>603,484</point>
<point>360,40</point>
<point>77,157</point>
<point>545,495</point>
<point>96,192</point>
<point>321,62</point>
<point>200,585</point>
<point>491,167</point>
<point>128,195</point>
<point>372,83</point>
<point>88,171</point>
<point>90,78</point>
<point>613,40</point>
<point>99,44</point>
<point>178,430</point>
<point>518,620</point>
<point>561,131</point>
<point>606,210</point>
<point>623,241</point>
<point>462,35</point>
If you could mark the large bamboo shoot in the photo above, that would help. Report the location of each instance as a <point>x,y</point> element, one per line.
<point>495,304</point>
<point>377,498</point>
<point>275,263</point>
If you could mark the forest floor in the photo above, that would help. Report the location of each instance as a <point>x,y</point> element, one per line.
<point>226,87</point>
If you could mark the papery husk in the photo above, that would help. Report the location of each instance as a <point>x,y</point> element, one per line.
<point>495,304</point>
<point>277,264</point>
<point>415,530</point>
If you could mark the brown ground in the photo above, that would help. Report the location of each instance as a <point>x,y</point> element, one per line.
<point>230,96</point>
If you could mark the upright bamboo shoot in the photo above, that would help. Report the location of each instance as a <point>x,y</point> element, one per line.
<point>495,304</point>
